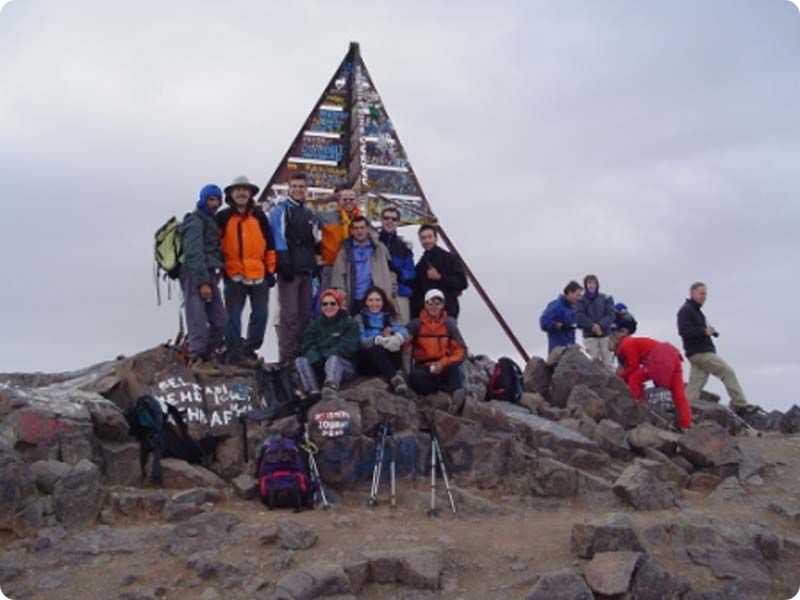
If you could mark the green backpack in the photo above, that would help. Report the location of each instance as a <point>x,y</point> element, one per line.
<point>168,253</point>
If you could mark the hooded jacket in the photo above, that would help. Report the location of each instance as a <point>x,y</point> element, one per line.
<point>296,232</point>
<point>334,229</point>
<point>558,311</point>
<point>372,325</point>
<point>692,329</point>
<point>344,276</point>
<point>401,262</point>
<point>247,242</point>
<point>595,309</point>
<point>201,254</point>
<point>334,336</point>
<point>436,340</point>
<point>660,360</point>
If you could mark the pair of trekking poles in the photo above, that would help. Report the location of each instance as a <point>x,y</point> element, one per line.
<point>437,459</point>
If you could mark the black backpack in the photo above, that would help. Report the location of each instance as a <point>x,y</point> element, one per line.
<point>505,382</point>
<point>149,424</point>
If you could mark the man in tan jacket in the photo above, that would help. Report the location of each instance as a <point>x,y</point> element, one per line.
<point>362,262</point>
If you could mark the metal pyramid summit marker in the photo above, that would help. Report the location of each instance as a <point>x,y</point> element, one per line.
<point>349,140</point>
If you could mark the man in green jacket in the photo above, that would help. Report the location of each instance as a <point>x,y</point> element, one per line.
<point>329,346</point>
<point>200,273</point>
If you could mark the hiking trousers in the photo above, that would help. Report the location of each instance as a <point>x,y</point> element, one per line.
<point>403,309</point>
<point>597,348</point>
<point>637,379</point>
<point>205,321</point>
<point>333,371</point>
<point>295,314</point>
<point>236,295</point>
<point>379,359</point>
<point>423,382</point>
<point>708,363</point>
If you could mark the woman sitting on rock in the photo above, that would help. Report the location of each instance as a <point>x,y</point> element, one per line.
<point>330,345</point>
<point>382,338</point>
<point>642,359</point>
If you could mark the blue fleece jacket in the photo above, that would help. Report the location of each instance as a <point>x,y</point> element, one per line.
<point>372,324</point>
<point>558,311</point>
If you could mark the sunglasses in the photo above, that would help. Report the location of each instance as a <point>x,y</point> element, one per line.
<point>435,301</point>
<point>330,304</point>
<point>391,219</point>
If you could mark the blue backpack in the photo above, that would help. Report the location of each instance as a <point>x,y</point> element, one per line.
<point>283,475</point>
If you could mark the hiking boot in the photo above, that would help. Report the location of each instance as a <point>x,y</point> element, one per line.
<point>399,385</point>
<point>330,392</point>
<point>199,364</point>
<point>743,409</point>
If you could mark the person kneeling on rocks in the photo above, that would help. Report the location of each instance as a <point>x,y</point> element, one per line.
<point>330,345</point>
<point>382,338</point>
<point>438,349</point>
<point>642,359</point>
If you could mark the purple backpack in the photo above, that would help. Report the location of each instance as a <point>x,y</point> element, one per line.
<point>283,477</point>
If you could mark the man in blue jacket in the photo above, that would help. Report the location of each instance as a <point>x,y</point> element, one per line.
<point>558,319</point>
<point>594,314</point>
<point>401,260</point>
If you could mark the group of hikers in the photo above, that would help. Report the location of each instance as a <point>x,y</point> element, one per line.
<point>608,330</point>
<point>363,286</point>
<point>353,300</point>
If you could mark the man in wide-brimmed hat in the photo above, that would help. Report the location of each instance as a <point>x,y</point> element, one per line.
<point>249,251</point>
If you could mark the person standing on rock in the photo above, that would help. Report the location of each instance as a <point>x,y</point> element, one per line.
<point>330,346</point>
<point>594,314</point>
<point>702,354</point>
<point>437,349</point>
<point>401,261</point>
<point>558,318</point>
<point>643,359</point>
<point>363,262</point>
<point>249,251</point>
<point>334,229</point>
<point>199,276</point>
<point>382,339</point>
<point>296,234</point>
<point>440,270</point>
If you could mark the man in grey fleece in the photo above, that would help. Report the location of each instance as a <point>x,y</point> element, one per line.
<point>201,267</point>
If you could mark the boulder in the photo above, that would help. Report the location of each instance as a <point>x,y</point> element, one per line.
<point>707,445</point>
<point>198,496</point>
<point>179,474</point>
<point>609,533</point>
<point>673,471</point>
<point>120,463</point>
<point>487,414</point>
<point>78,496</point>
<point>295,536</point>
<point>419,568</point>
<point>534,402</point>
<point>333,418</point>
<point>766,421</point>
<point>313,581</point>
<point>109,422</point>
<point>654,582</point>
<point>245,486</point>
<point>536,376</point>
<point>564,584</point>
<point>47,473</point>
<point>549,477</point>
<point>575,368</point>
<point>610,573</point>
<point>345,460</point>
<point>40,430</point>
<point>611,437</point>
<point>138,503</point>
<point>790,421</point>
<point>377,403</point>
<point>713,412</point>
<point>583,401</point>
<point>208,566</point>
<point>645,485</point>
<point>647,436</point>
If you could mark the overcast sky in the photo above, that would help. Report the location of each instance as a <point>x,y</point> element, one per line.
<point>651,143</point>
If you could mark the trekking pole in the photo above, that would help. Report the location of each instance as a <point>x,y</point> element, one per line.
<point>432,510</point>
<point>749,428</point>
<point>376,470</point>
<point>392,481</point>
<point>312,449</point>
<point>444,476</point>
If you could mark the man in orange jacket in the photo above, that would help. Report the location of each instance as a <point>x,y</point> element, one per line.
<point>438,351</point>
<point>642,359</point>
<point>335,228</point>
<point>250,261</point>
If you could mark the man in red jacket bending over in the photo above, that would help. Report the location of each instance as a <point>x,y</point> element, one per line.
<point>642,359</point>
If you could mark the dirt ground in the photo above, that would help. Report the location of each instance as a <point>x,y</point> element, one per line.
<point>487,556</point>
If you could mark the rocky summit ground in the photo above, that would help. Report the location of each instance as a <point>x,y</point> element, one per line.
<point>576,492</point>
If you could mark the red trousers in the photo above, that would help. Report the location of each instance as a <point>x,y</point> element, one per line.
<point>637,379</point>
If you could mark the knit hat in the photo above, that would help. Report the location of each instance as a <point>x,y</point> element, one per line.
<point>620,307</point>
<point>207,192</point>
<point>335,294</point>
<point>241,181</point>
<point>431,294</point>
